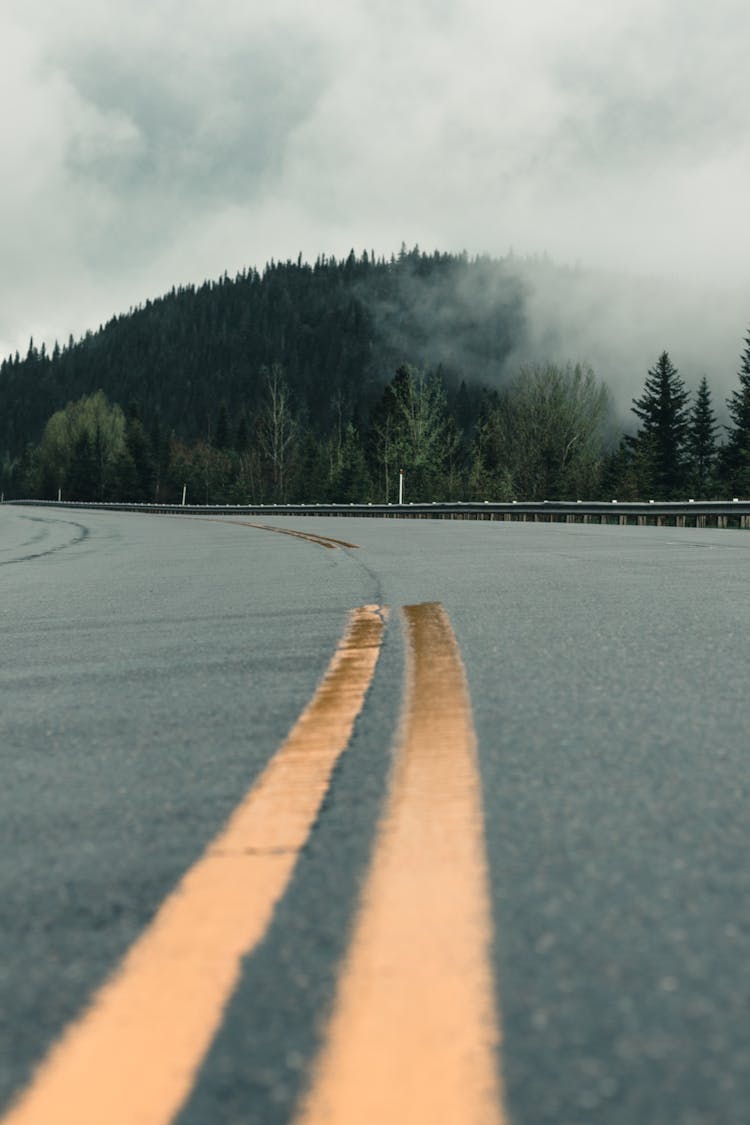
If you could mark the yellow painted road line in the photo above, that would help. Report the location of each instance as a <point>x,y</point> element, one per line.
<point>309,536</point>
<point>132,1057</point>
<point>414,1033</point>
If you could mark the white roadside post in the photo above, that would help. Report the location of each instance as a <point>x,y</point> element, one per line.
<point>401,486</point>
<point>184,490</point>
<point>59,495</point>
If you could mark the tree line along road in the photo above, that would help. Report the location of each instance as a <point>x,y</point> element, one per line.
<point>378,820</point>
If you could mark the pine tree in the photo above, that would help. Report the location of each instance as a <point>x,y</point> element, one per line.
<point>160,452</point>
<point>352,484</point>
<point>736,453</point>
<point>659,445</point>
<point>242,435</point>
<point>701,442</point>
<point>489,476</point>
<point>410,430</point>
<point>221,437</point>
<point>619,474</point>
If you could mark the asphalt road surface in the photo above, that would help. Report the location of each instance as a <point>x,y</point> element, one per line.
<point>276,849</point>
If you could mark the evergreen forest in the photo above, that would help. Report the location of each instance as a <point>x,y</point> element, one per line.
<point>318,382</point>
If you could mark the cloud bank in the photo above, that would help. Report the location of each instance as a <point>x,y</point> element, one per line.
<point>158,143</point>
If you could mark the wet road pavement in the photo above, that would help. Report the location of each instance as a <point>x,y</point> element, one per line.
<point>150,669</point>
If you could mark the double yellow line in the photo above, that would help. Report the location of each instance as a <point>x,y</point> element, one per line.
<point>414,1032</point>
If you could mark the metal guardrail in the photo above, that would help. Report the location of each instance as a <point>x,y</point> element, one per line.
<point>681,513</point>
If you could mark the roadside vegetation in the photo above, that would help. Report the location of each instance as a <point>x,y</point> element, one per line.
<point>293,387</point>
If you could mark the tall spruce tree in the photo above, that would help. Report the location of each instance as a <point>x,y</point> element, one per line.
<point>736,453</point>
<point>701,442</point>
<point>659,445</point>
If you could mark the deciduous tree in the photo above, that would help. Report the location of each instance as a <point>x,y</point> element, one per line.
<point>276,429</point>
<point>102,425</point>
<point>555,421</point>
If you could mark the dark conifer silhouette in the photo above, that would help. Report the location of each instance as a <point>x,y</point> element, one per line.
<point>336,328</point>
<point>659,445</point>
<point>735,460</point>
<point>221,437</point>
<point>316,382</point>
<point>701,443</point>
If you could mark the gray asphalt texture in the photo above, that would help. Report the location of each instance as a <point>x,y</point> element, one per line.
<point>150,666</point>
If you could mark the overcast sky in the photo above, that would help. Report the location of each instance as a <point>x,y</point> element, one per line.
<point>163,141</point>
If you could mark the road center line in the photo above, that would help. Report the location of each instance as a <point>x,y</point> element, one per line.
<point>414,1031</point>
<point>133,1055</point>
<point>309,536</point>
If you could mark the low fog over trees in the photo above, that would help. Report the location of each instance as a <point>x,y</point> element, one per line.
<point>319,383</point>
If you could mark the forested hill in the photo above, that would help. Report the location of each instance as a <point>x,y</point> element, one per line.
<point>318,382</point>
<point>339,330</point>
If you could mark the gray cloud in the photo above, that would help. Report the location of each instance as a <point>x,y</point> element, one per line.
<point>165,142</point>
<point>620,325</point>
<point>209,139</point>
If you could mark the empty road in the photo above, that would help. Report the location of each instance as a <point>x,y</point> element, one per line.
<point>372,821</point>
